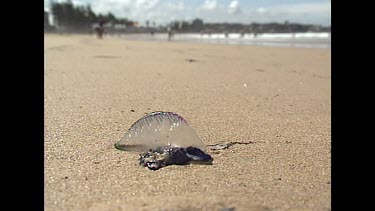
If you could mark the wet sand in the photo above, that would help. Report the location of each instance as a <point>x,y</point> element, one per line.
<point>277,100</point>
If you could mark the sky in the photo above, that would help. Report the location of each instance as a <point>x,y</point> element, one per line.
<point>162,12</point>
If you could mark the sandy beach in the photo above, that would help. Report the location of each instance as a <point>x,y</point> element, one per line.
<point>275,101</point>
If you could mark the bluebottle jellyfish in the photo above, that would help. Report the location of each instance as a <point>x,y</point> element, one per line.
<point>164,138</point>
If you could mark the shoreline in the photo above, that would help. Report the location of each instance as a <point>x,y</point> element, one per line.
<point>293,40</point>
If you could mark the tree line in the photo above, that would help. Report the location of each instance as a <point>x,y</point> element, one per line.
<point>67,15</point>
<point>197,25</point>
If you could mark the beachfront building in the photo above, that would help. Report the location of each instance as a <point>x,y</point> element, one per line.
<point>46,21</point>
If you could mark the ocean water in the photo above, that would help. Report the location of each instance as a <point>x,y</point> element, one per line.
<point>303,40</point>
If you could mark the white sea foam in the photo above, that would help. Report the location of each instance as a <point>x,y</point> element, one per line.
<point>308,39</point>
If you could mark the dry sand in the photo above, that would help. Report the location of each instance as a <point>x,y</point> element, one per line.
<point>279,99</point>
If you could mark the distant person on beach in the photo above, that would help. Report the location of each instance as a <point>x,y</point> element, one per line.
<point>99,29</point>
<point>170,33</point>
<point>242,34</point>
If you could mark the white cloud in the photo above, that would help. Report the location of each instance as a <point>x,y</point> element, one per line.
<point>314,13</point>
<point>176,6</point>
<point>209,5</point>
<point>113,6</point>
<point>78,3</point>
<point>261,10</point>
<point>234,7</point>
<point>146,4</point>
<point>302,8</point>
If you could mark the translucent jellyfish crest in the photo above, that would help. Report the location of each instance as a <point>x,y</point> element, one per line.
<point>159,129</point>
